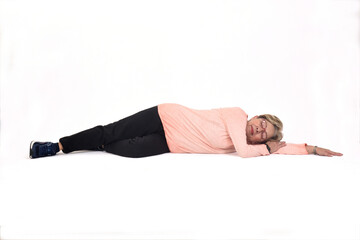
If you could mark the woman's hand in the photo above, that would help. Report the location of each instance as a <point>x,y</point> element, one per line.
<point>321,151</point>
<point>275,145</point>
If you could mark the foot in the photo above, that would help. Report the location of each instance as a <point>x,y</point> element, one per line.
<point>43,149</point>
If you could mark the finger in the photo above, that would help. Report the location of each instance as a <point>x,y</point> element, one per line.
<point>336,153</point>
<point>280,145</point>
<point>327,154</point>
<point>333,153</point>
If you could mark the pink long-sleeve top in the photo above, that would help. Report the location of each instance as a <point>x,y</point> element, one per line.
<point>212,131</point>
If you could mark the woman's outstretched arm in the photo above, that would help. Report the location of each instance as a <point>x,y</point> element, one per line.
<point>300,149</point>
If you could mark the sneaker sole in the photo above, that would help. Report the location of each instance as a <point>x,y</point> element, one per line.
<point>31,152</point>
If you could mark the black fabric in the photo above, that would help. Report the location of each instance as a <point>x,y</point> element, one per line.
<point>139,135</point>
<point>268,148</point>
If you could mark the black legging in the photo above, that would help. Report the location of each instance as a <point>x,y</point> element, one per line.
<point>139,135</point>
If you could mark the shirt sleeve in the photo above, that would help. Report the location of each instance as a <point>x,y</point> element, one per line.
<point>293,149</point>
<point>235,121</point>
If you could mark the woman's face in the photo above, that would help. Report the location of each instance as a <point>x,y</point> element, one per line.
<point>259,130</point>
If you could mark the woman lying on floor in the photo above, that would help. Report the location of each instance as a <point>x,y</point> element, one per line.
<point>178,129</point>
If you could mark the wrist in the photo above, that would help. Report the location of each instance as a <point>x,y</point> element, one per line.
<point>314,150</point>
<point>309,149</point>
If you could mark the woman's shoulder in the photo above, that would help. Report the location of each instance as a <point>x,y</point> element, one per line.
<point>233,110</point>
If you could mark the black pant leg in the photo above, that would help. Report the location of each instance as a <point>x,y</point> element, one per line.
<point>145,146</point>
<point>143,123</point>
<point>88,139</point>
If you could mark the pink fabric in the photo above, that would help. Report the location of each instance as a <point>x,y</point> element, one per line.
<point>294,149</point>
<point>212,131</point>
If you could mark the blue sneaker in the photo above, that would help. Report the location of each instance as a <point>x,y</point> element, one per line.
<point>43,149</point>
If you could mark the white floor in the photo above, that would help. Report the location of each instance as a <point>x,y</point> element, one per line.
<point>95,195</point>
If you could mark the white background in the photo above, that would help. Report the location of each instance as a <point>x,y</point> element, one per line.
<point>70,65</point>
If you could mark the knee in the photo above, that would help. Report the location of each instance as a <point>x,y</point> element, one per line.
<point>124,148</point>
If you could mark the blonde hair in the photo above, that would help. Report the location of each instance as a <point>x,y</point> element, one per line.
<point>274,120</point>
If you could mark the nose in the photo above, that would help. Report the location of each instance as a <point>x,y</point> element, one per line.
<point>260,129</point>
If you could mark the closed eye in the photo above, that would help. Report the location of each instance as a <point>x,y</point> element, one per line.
<point>263,135</point>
